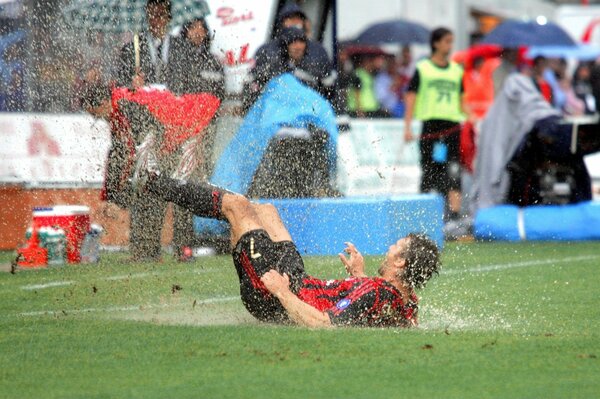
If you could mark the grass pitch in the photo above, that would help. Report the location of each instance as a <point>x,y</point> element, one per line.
<point>502,320</point>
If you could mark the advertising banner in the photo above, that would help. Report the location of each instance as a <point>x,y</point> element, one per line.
<point>51,150</point>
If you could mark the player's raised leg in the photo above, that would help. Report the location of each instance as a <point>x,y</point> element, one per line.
<point>207,200</point>
<point>271,222</point>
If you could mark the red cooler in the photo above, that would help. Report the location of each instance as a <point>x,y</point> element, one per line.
<point>73,219</point>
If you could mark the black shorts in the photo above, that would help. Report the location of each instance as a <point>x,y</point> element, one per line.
<point>440,175</point>
<point>254,255</point>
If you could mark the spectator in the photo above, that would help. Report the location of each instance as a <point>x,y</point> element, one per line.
<point>555,74</point>
<point>540,64</point>
<point>154,50</point>
<point>525,155</point>
<point>389,87</point>
<point>582,88</point>
<point>314,68</point>
<point>96,100</point>
<point>434,97</point>
<point>158,65</point>
<point>508,65</point>
<point>195,69</point>
<point>346,80</point>
<point>362,99</point>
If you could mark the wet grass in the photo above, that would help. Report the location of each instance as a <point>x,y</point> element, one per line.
<point>502,320</point>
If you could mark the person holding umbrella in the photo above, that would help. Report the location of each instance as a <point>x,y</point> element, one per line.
<point>145,62</point>
<point>434,96</point>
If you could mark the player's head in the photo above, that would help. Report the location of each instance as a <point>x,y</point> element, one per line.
<point>95,99</point>
<point>412,260</point>
<point>441,41</point>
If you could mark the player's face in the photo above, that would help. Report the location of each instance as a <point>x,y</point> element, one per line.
<point>394,253</point>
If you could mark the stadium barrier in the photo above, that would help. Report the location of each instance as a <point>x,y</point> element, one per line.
<point>539,223</point>
<point>321,226</point>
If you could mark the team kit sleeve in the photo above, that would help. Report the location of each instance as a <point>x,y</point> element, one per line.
<point>374,306</point>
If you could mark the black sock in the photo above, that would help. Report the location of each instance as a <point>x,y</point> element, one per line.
<point>203,199</point>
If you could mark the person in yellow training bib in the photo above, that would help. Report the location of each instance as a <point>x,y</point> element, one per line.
<point>434,96</point>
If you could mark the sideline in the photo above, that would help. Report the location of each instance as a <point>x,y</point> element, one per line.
<point>52,284</point>
<point>65,312</point>
<point>504,266</point>
<point>477,269</point>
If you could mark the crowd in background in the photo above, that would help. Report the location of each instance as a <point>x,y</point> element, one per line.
<point>56,75</point>
<point>45,67</point>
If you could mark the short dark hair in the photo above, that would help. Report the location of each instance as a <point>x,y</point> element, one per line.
<point>437,35</point>
<point>539,59</point>
<point>166,3</point>
<point>187,26</point>
<point>422,260</point>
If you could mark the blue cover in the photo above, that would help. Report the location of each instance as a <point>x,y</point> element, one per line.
<point>321,226</point>
<point>539,223</point>
<point>285,102</point>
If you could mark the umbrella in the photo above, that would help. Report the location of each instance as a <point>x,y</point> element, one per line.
<point>580,52</point>
<point>514,34</point>
<point>396,31</point>
<point>117,16</point>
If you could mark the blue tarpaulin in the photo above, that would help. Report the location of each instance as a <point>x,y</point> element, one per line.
<point>539,223</point>
<point>285,102</point>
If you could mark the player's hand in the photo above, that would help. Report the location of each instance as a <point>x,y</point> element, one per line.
<point>355,264</point>
<point>275,282</point>
<point>138,80</point>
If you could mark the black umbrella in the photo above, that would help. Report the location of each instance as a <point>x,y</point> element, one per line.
<point>397,31</point>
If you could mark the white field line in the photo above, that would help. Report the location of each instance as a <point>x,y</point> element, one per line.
<point>111,309</point>
<point>51,284</point>
<point>477,269</point>
<point>538,262</point>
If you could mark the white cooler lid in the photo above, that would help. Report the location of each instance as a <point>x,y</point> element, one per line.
<point>61,210</point>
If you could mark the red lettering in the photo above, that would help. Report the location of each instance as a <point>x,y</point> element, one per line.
<point>41,142</point>
<point>226,14</point>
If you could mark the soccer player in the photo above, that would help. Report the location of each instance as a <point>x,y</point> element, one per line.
<point>274,286</point>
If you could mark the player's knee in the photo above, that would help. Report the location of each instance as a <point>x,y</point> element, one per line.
<point>235,203</point>
<point>269,209</point>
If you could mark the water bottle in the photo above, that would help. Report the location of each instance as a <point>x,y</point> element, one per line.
<point>55,244</point>
<point>90,248</point>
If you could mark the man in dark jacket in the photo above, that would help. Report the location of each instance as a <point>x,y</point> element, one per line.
<point>314,69</point>
<point>169,62</point>
<point>194,69</point>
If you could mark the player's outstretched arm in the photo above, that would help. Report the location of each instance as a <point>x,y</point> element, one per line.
<point>355,264</point>
<point>300,312</point>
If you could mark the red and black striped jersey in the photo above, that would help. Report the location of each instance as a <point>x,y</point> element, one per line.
<point>365,301</point>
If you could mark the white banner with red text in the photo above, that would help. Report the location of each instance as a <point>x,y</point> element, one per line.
<point>50,149</point>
